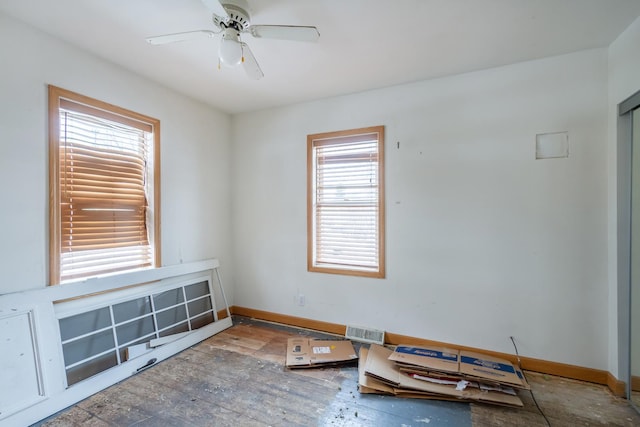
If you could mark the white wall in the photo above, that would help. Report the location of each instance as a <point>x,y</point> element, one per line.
<point>624,81</point>
<point>483,241</point>
<point>195,195</point>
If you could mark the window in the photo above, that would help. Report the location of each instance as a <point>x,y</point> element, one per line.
<point>345,202</point>
<point>97,339</point>
<point>104,183</point>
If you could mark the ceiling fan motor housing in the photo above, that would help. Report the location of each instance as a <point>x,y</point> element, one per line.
<point>238,18</point>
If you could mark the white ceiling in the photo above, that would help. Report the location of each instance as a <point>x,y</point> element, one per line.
<point>364,44</point>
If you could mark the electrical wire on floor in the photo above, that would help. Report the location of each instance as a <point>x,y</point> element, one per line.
<point>525,377</point>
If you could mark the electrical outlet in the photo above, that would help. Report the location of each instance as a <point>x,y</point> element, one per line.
<point>301,300</point>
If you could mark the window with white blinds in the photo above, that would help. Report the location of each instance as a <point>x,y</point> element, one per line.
<point>346,202</point>
<point>104,178</point>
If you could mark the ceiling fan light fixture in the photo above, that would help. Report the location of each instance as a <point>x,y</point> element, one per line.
<point>230,52</point>
<point>231,18</point>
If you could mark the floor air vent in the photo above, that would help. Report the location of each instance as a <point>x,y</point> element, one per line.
<point>358,333</point>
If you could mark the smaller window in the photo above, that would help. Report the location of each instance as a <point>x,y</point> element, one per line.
<point>345,202</point>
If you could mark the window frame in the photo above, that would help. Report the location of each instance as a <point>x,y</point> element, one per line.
<point>312,265</point>
<point>58,96</point>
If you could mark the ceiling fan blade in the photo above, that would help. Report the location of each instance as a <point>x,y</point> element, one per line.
<point>250,64</point>
<point>285,32</point>
<point>216,7</point>
<point>180,37</point>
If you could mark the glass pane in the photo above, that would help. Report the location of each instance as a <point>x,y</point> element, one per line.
<point>134,330</point>
<point>171,316</point>
<point>91,368</point>
<point>84,323</point>
<point>168,298</point>
<point>183,327</point>
<point>199,306</point>
<point>131,309</point>
<point>196,290</point>
<point>201,321</point>
<point>87,346</point>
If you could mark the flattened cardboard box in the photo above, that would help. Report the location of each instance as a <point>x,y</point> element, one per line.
<point>380,368</point>
<point>479,366</point>
<point>367,384</point>
<point>438,359</point>
<point>310,353</point>
<point>492,369</point>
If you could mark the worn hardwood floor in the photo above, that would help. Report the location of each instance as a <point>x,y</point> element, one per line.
<point>635,398</point>
<point>237,378</point>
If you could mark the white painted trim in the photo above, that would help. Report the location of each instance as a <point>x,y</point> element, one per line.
<point>82,304</point>
<point>157,342</point>
<point>46,313</point>
<point>99,382</point>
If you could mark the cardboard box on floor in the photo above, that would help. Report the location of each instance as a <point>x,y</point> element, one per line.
<point>491,369</point>
<point>309,353</point>
<point>433,359</point>
<point>369,385</point>
<point>381,371</point>
<point>462,364</point>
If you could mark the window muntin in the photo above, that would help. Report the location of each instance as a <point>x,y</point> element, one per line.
<point>104,181</point>
<point>346,202</point>
<point>98,339</point>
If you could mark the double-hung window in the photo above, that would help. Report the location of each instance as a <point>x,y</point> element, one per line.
<point>345,202</point>
<point>104,184</point>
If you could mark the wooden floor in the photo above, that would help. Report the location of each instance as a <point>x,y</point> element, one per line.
<point>635,398</point>
<point>237,378</point>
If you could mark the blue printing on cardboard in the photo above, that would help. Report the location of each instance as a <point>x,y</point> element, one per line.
<point>496,366</point>
<point>427,353</point>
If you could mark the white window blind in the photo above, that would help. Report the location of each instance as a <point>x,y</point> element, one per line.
<point>346,194</point>
<point>103,175</point>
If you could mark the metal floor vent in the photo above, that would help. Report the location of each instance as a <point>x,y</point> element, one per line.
<point>368,335</point>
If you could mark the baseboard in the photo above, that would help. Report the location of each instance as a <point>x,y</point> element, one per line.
<point>635,383</point>
<point>617,387</point>
<point>222,314</point>
<point>597,376</point>
<point>299,322</point>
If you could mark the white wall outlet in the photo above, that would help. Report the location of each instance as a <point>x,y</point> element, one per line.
<point>301,300</point>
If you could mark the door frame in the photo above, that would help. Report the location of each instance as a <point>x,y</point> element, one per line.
<point>624,220</point>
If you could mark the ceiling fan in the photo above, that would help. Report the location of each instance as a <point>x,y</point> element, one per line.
<point>231,19</point>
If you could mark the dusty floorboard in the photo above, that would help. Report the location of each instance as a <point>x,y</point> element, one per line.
<point>237,378</point>
<point>565,402</point>
<point>635,398</point>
